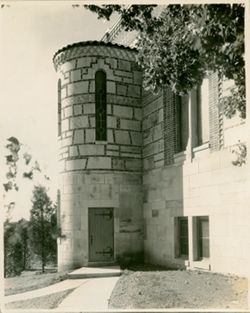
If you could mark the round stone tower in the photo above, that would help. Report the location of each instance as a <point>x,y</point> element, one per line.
<point>99,131</point>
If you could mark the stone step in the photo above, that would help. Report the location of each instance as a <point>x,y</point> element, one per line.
<point>93,272</point>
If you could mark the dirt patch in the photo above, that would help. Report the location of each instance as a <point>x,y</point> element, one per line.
<point>149,289</point>
<point>31,280</point>
<point>44,302</point>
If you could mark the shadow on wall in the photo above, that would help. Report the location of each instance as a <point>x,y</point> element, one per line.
<point>166,229</point>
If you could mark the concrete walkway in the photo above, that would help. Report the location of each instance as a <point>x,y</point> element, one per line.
<point>92,272</point>
<point>94,294</point>
<point>64,285</point>
<point>90,293</point>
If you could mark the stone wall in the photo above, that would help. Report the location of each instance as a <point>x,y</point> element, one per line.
<point>99,174</point>
<point>81,190</point>
<point>153,130</point>
<point>140,170</point>
<point>79,149</point>
<point>197,182</point>
<point>208,186</point>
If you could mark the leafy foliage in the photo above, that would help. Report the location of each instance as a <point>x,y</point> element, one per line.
<point>20,164</point>
<point>16,247</point>
<point>178,48</point>
<point>134,17</point>
<point>21,239</point>
<point>234,103</point>
<point>12,160</point>
<point>27,157</point>
<point>24,239</point>
<point>43,226</point>
<point>240,152</point>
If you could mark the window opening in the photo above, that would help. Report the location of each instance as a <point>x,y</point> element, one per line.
<point>203,237</point>
<point>101,106</point>
<point>202,114</point>
<point>183,236</point>
<point>182,123</point>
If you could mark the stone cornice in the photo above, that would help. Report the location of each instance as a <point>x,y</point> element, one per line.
<point>93,48</point>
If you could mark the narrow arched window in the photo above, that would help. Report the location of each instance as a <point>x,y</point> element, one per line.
<point>59,107</point>
<point>100,106</point>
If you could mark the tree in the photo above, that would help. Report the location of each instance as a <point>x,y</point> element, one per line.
<point>16,247</point>
<point>12,251</point>
<point>185,42</point>
<point>43,226</point>
<point>23,229</point>
<point>15,234</point>
<point>20,164</point>
<point>15,148</point>
<point>12,158</point>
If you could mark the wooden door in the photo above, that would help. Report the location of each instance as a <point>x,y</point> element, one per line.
<point>101,234</point>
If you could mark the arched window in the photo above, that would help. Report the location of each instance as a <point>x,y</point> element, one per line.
<point>59,107</point>
<point>100,105</point>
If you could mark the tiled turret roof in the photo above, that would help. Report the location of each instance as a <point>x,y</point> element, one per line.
<point>92,43</point>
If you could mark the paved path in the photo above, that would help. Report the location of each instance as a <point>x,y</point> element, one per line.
<point>91,293</point>
<point>91,272</point>
<point>94,294</point>
<point>64,285</point>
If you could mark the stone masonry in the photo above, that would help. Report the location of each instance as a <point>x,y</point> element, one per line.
<point>199,181</point>
<point>99,173</point>
<point>151,181</point>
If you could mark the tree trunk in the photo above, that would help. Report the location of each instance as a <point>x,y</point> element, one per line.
<point>5,258</point>
<point>25,250</point>
<point>43,243</point>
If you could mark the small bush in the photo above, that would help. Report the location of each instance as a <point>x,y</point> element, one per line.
<point>128,259</point>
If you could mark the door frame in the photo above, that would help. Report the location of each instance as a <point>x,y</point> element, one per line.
<point>113,234</point>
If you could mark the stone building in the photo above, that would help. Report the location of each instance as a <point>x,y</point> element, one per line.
<point>144,176</point>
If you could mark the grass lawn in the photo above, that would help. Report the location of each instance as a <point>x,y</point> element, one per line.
<point>44,302</point>
<point>31,280</point>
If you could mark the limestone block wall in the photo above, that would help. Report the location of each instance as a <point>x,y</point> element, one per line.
<point>200,182</point>
<point>136,170</point>
<point>96,173</point>
<point>163,198</point>
<point>122,150</point>
<point>209,186</point>
<point>153,130</point>
<point>81,190</point>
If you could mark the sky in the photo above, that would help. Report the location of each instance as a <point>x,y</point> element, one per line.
<point>30,34</point>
